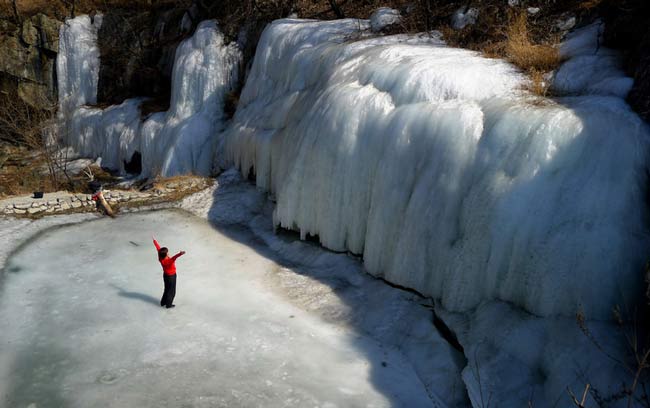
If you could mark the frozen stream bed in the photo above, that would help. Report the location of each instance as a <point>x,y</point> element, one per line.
<point>82,326</point>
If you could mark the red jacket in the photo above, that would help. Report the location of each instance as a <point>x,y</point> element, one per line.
<point>168,264</point>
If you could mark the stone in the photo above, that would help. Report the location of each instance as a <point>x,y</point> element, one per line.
<point>50,210</point>
<point>35,94</point>
<point>48,29</point>
<point>19,211</point>
<point>566,24</point>
<point>76,204</point>
<point>533,10</point>
<point>22,206</point>
<point>9,211</point>
<point>29,33</point>
<point>463,17</point>
<point>34,210</point>
<point>52,202</point>
<point>65,205</point>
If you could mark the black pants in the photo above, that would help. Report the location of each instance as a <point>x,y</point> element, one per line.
<point>170,290</point>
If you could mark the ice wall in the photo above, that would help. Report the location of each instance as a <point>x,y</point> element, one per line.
<point>446,176</point>
<point>178,141</point>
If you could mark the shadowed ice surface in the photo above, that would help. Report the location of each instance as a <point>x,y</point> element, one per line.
<point>81,326</point>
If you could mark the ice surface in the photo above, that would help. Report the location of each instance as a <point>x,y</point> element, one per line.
<point>86,329</point>
<point>178,141</point>
<point>433,164</point>
<point>336,287</point>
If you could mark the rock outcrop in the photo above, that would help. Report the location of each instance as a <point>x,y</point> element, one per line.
<point>28,61</point>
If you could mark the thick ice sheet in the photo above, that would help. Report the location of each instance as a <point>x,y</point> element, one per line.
<point>77,64</point>
<point>178,141</point>
<point>436,166</point>
<point>82,327</point>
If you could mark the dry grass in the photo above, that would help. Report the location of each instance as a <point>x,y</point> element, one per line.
<point>512,38</point>
<point>22,173</point>
<point>590,4</point>
<point>521,51</point>
<point>536,60</point>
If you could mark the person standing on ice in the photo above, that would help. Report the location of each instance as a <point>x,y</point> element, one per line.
<point>169,274</point>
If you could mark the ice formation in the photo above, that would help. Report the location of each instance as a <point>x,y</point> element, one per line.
<point>425,159</point>
<point>77,64</point>
<point>178,141</point>
<point>433,164</point>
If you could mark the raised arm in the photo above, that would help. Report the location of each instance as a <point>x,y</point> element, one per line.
<point>155,243</point>
<point>178,255</point>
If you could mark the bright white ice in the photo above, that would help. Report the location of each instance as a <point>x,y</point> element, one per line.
<point>435,165</point>
<point>81,327</point>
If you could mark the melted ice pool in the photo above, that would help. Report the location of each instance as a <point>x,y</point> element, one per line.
<point>82,326</point>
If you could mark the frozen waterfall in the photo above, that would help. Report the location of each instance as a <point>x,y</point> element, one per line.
<point>178,141</point>
<point>436,166</point>
<point>432,162</point>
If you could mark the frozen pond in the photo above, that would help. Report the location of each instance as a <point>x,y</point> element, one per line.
<point>82,326</point>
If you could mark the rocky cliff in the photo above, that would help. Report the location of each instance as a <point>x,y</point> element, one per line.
<point>27,65</point>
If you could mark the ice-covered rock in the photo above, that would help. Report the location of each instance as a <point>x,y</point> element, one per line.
<point>463,17</point>
<point>384,17</point>
<point>566,24</point>
<point>590,68</point>
<point>178,141</point>
<point>431,163</point>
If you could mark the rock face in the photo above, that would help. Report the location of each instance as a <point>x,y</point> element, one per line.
<point>137,53</point>
<point>639,96</point>
<point>28,58</point>
<point>626,28</point>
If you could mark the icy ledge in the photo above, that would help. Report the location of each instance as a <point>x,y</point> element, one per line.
<point>178,141</point>
<point>433,164</point>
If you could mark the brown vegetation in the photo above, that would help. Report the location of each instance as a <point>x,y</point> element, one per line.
<point>65,8</point>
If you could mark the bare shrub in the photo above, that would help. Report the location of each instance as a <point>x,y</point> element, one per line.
<point>25,128</point>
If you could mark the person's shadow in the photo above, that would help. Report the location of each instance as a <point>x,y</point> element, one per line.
<point>136,295</point>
